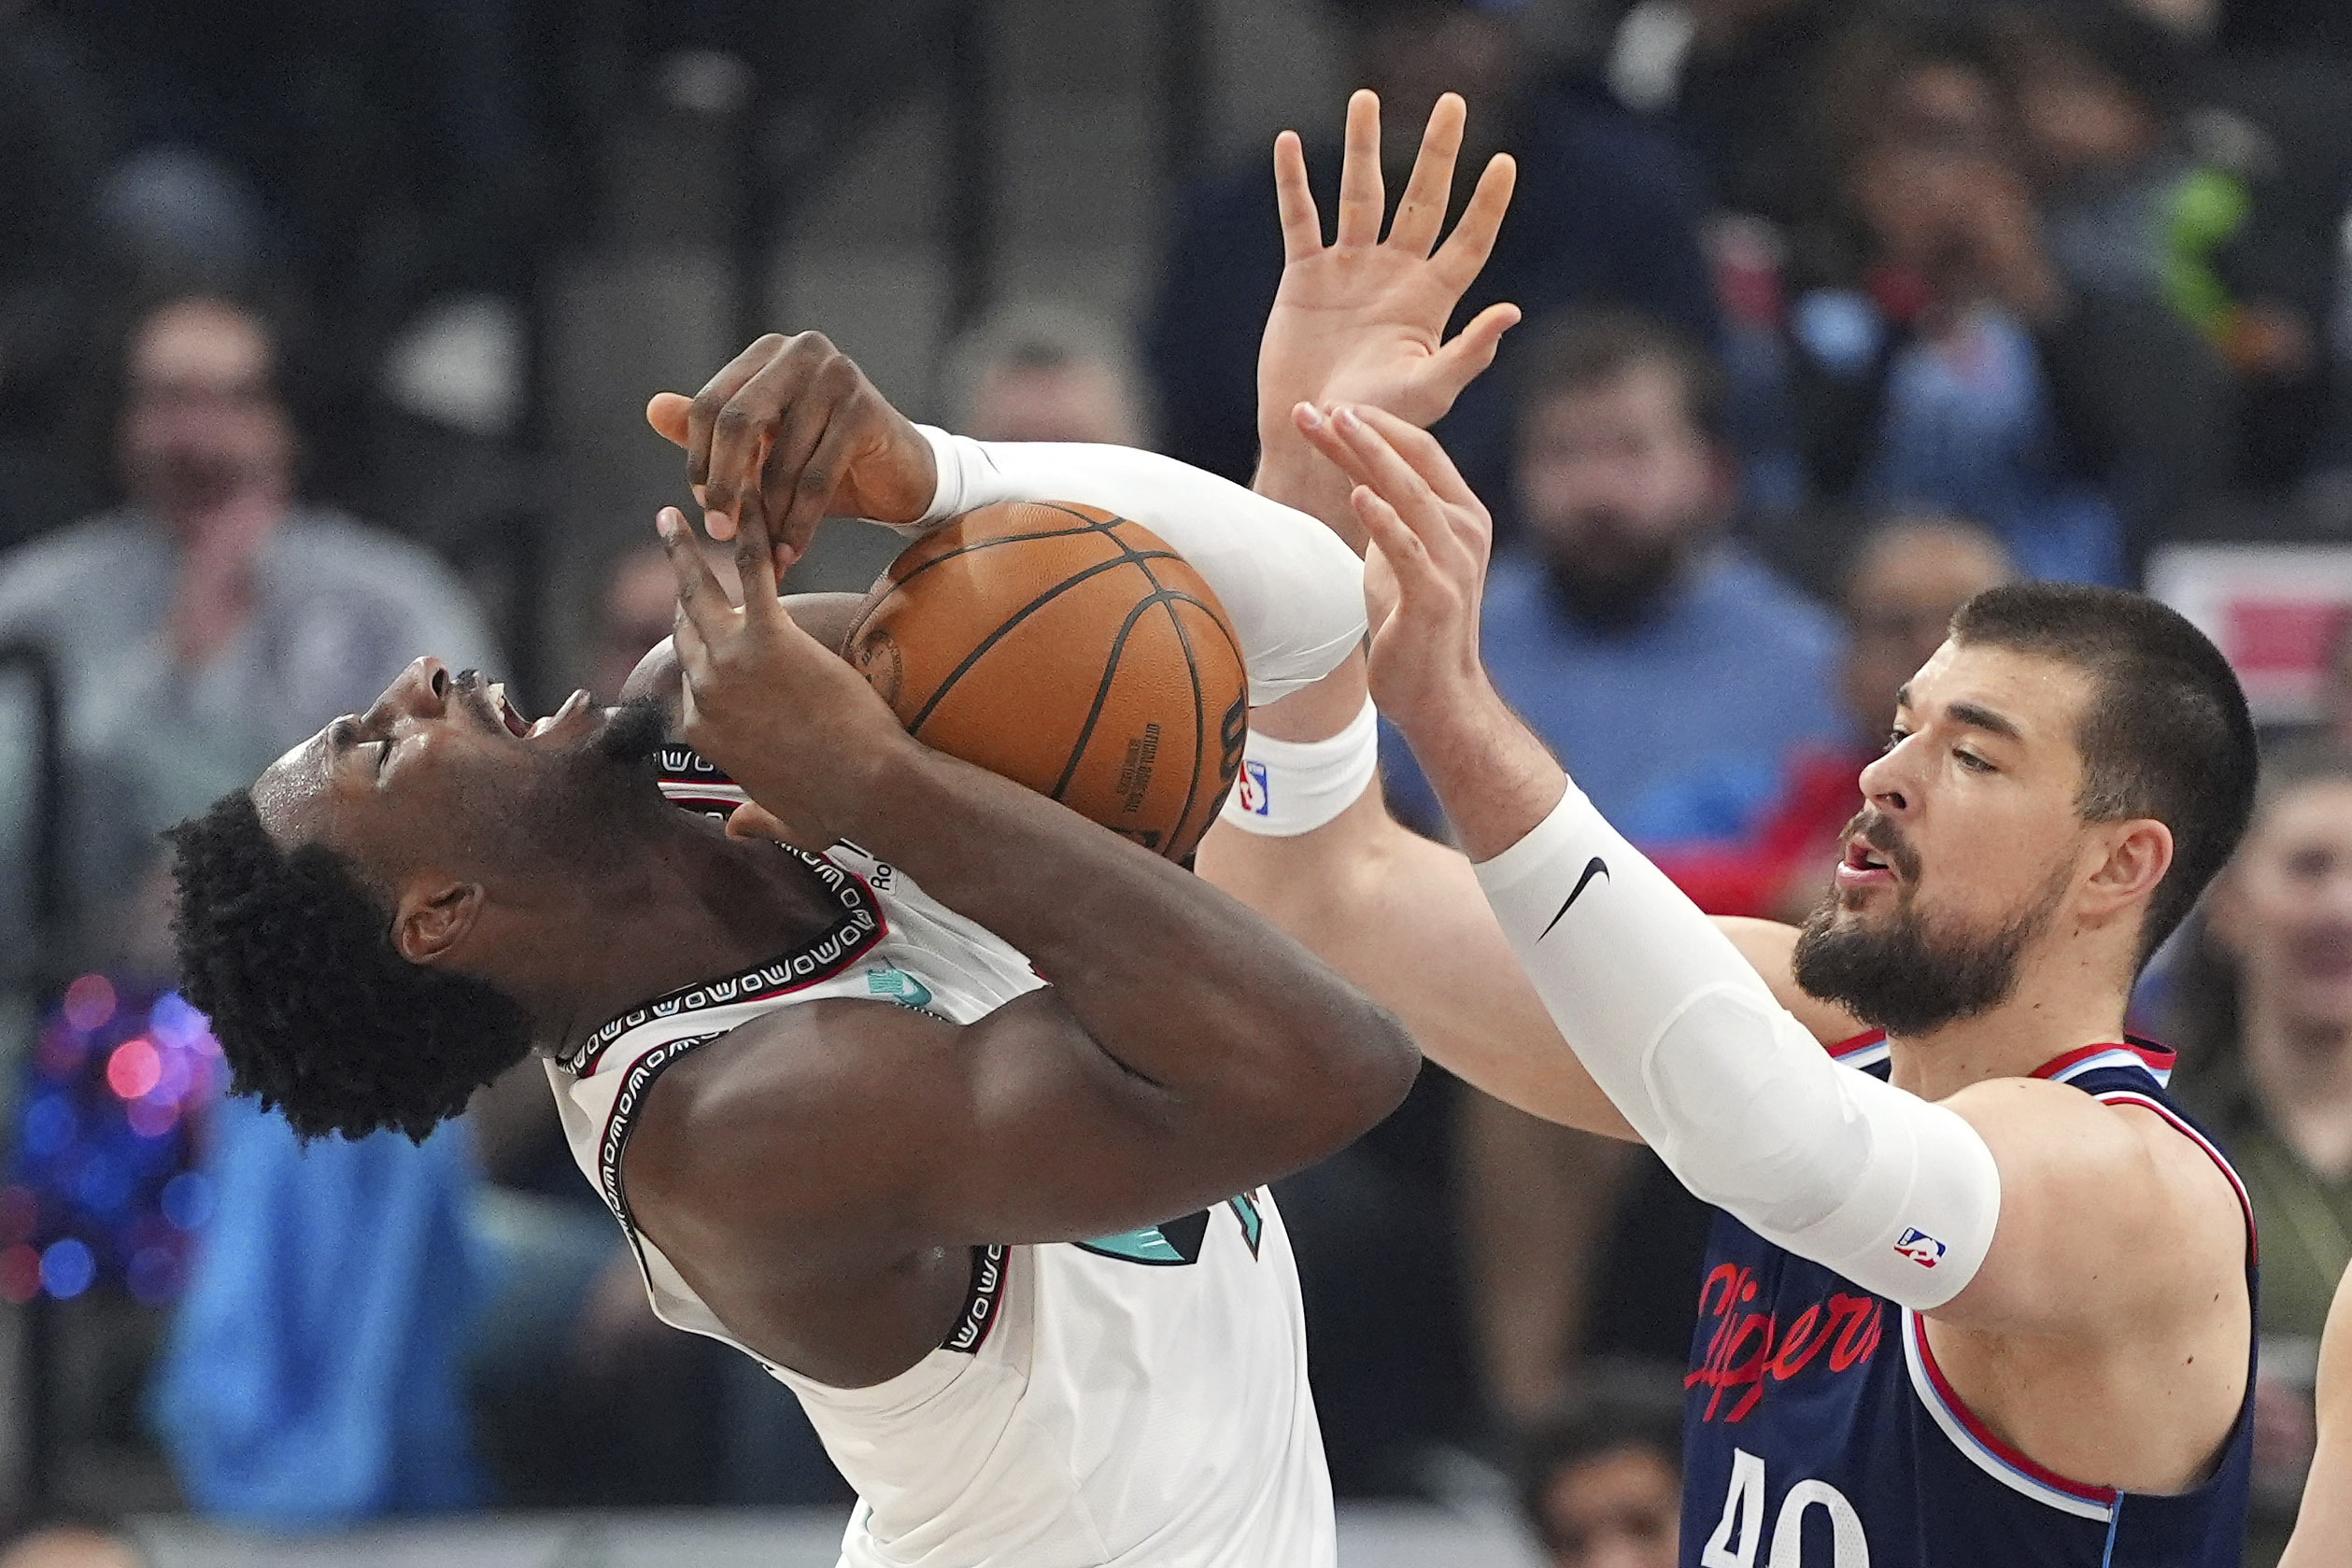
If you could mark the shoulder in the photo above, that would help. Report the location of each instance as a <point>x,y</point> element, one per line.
<point>777,1117</point>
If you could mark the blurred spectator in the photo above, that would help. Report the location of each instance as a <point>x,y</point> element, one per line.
<point>1907,579</point>
<point>213,620</point>
<point>315,1371</point>
<point>2149,193</point>
<point>1601,1481</point>
<point>1735,81</point>
<point>1948,363</point>
<point>1671,670</point>
<point>1043,371</point>
<point>1605,211</point>
<point>2263,1019</point>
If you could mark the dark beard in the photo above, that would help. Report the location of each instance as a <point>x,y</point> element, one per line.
<point>1904,980</point>
<point>633,735</point>
<point>1619,597</point>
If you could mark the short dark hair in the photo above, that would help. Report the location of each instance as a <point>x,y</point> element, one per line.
<point>1594,346</point>
<point>2166,734</point>
<point>291,958</point>
<point>1617,1403</point>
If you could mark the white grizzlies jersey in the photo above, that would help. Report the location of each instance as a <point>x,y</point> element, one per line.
<point>1137,1400</point>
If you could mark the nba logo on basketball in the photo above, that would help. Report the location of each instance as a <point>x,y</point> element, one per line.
<point>1251,783</point>
<point>1921,1247</point>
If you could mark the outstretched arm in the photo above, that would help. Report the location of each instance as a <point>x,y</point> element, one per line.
<point>1968,1210</point>
<point>2325,1523</point>
<point>1361,320</point>
<point>1182,1053</point>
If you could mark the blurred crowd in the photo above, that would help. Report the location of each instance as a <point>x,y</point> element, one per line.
<point>1838,312</point>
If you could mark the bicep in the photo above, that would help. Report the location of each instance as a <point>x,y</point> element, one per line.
<point>2105,1211</point>
<point>917,1133</point>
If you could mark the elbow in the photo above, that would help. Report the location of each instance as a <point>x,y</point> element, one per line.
<point>1365,1074</point>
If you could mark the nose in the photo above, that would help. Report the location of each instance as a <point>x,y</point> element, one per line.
<point>421,692</point>
<point>1886,782</point>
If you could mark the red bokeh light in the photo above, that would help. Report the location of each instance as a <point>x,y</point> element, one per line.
<point>134,1068</point>
<point>20,1275</point>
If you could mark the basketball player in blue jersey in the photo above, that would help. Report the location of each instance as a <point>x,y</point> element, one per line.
<point>1980,1293</point>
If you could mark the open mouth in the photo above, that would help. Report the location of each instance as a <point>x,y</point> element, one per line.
<point>526,728</point>
<point>1860,857</point>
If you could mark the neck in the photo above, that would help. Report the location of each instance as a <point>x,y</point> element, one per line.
<point>2065,1002</point>
<point>690,904</point>
<point>2302,1072</point>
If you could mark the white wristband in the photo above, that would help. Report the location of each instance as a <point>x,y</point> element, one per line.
<point>1289,787</point>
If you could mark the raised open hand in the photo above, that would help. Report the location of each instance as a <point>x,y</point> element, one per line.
<point>793,424</point>
<point>1361,320</point>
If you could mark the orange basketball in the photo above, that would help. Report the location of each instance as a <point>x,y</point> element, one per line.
<point>1069,650</point>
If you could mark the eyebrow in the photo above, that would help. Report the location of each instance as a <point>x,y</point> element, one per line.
<point>1969,713</point>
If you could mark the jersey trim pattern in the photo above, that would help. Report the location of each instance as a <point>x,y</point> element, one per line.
<point>1977,1441</point>
<point>2154,1060</point>
<point>861,926</point>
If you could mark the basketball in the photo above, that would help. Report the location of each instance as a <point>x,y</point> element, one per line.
<point>1069,650</point>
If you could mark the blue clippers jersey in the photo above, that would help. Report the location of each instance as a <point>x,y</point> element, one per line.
<point>1819,1433</point>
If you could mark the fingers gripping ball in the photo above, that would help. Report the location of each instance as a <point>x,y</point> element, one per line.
<point>1069,650</point>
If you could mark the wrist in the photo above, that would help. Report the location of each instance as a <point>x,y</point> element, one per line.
<point>1496,780</point>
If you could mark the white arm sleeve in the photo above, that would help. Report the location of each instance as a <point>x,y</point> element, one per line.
<point>1897,1193</point>
<point>1293,590</point>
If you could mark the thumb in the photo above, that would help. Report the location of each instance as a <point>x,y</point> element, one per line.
<point>666,414</point>
<point>1462,361</point>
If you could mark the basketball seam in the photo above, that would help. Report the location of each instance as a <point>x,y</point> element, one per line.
<point>1200,723</point>
<point>1102,689</point>
<point>1086,525</point>
<point>940,693</point>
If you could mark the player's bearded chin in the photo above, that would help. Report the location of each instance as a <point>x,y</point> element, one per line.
<point>1900,974</point>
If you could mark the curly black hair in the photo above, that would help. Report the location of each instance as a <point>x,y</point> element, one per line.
<point>317,1013</point>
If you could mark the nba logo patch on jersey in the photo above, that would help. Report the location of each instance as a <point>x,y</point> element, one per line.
<point>1250,785</point>
<point>1921,1247</point>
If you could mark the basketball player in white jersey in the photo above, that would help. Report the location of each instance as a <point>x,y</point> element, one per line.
<point>846,1127</point>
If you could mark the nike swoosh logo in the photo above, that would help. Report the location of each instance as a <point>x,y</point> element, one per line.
<point>1595,866</point>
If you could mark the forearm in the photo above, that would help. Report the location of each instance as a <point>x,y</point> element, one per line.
<point>1732,1091</point>
<point>1174,980</point>
<point>1294,593</point>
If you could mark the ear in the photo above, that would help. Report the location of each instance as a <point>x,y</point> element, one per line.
<point>434,920</point>
<point>2139,853</point>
